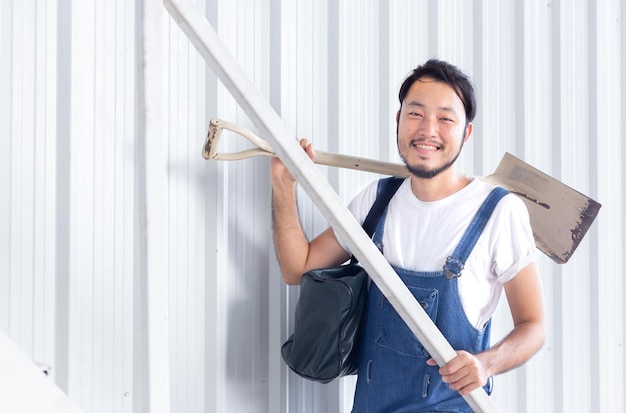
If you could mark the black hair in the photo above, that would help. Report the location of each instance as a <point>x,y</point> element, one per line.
<point>444,72</point>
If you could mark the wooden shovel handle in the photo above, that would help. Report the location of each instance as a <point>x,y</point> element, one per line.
<point>360,164</point>
<point>216,126</point>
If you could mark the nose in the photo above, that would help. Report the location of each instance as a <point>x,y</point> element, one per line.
<point>428,126</point>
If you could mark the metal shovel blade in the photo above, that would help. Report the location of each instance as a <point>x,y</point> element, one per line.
<point>559,215</point>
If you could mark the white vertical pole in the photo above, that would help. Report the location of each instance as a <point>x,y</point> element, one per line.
<point>205,39</point>
<point>154,157</point>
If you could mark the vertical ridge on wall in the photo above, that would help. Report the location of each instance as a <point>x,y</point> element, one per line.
<point>333,86</point>
<point>622,177</point>
<point>516,144</point>
<point>433,26</point>
<point>6,92</point>
<point>382,137</point>
<point>575,168</point>
<point>519,88</point>
<point>278,389</point>
<point>606,162</point>
<point>594,299</point>
<point>479,79</point>
<point>44,188</point>
<point>537,120</point>
<point>62,207</point>
<point>556,298</point>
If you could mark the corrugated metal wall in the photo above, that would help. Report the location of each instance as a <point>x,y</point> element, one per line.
<point>551,90</point>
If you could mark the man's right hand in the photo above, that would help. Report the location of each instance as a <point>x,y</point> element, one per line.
<point>280,173</point>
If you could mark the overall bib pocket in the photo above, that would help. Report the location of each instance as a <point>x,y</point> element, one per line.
<point>393,333</point>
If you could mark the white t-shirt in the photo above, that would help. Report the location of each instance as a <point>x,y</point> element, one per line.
<point>419,236</point>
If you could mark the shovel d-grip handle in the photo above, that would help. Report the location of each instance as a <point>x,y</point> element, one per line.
<point>216,126</point>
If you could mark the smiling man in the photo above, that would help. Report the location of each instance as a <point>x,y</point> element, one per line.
<point>455,241</point>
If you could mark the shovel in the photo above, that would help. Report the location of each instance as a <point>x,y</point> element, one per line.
<point>559,215</point>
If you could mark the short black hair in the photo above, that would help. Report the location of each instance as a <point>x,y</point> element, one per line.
<point>447,73</point>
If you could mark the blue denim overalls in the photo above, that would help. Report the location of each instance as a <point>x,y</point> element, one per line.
<point>393,375</point>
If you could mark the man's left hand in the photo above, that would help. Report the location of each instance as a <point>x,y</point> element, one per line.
<point>463,373</point>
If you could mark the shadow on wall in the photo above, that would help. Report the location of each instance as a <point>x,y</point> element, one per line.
<point>239,194</point>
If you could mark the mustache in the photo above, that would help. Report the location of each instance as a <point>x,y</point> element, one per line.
<point>426,141</point>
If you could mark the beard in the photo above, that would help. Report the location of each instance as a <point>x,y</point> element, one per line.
<point>426,173</point>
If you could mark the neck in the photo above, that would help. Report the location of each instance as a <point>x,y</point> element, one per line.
<point>438,187</point>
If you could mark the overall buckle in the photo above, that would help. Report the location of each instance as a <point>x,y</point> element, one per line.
<point>453,267</point>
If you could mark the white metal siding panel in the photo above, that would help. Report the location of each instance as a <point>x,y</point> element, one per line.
<point>304,106</point>
<point>606,144</point>
<point>549,77</point>
<point>536,117</point>
<point>572,164</point>
<point>101,204</point>
<point>186,224</point>
<point>6,80</point>
<point>358,92</point>
<point>242,235</point>
<point>22,172</point>
<point>29,92</point>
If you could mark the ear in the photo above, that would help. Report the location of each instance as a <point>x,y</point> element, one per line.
<point>468,132</point>
<point>397,124</point>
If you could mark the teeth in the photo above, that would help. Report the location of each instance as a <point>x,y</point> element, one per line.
<point>426,147</point>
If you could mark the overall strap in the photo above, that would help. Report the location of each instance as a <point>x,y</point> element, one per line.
<point>455,263</point>
<point>386,189</point>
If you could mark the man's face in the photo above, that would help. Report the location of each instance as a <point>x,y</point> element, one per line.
<point>431,128</point>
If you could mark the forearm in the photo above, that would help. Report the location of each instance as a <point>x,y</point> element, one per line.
<point>525,299</point>
<point>514,350</point>
<point>290,242</point>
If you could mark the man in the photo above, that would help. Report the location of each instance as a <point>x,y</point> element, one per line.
<point>425,220</point>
